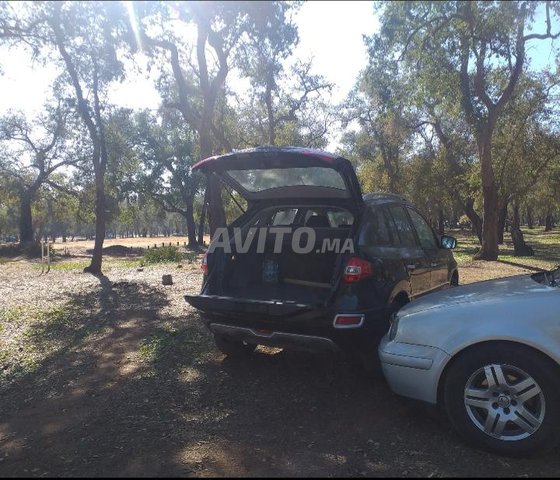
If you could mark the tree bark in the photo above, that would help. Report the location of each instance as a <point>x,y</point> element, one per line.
<point>502,217</point>
<point>548,222</point>
<point>441,222</point>
<point>25,219</point>
<point>516,220</point>
<point>520,248</point>
<point>475,219</point>
<point>216,213</point>
<point>100,228</point>
<point>202,219</point>
<point>530,219</point>
<point>191,227</point>
<point>270,107</point>
<point>489,247</point>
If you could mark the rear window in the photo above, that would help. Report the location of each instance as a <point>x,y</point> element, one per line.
<point>375,232</point>
<point>266,179</point>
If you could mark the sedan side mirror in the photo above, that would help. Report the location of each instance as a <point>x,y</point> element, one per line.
<point>448,242</point>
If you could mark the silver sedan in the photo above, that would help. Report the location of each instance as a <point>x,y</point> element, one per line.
<point>489,352</point>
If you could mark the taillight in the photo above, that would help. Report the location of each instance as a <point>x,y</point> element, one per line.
<point>204,265</point>
<point>349,320</point>
<point>356,270</point>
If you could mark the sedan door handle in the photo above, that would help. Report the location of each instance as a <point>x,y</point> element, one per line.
<point>434,265</point>
<point>411,267</point>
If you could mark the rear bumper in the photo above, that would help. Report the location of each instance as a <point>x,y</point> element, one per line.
<point>311,331</point>
<point>412,370</point>
<point>274,339</point>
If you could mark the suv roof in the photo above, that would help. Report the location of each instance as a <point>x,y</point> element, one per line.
<point>381,197</point>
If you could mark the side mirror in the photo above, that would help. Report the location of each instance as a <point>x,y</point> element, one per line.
<point>448,242</point>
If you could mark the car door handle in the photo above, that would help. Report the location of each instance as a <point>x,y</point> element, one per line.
<point>434,265</point>
<point>411,267</point>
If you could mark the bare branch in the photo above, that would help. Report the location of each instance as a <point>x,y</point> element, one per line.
<point>548,34</point>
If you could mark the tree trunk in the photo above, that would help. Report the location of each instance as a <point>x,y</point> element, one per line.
<point>100,213</point>
<point>520,248</point>
<point>202,219</point>
<point>25,219</point>
<point>530,219</point>
<point>216,213</point>
<point>489,247</point>
<point>441,224</point>
<point>516,221</point>
<point>191,227</point>
<point>270,107</point>
<point>548,222</point>
<point>502,217</point>
<point>476,221</point>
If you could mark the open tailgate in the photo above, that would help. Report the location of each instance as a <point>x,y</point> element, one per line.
<point>266,173</point>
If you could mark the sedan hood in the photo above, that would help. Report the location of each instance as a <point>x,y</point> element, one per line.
<point>490,291</point>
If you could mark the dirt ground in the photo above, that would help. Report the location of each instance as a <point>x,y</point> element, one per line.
<point>81,246</point>
<point>114,375</point>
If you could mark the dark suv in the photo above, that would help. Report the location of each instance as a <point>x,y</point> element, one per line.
<point>312,263</point>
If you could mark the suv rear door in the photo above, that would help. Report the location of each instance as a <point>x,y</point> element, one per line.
<point>438,257</point>
<point>263,174</point>
<point>413,255</point>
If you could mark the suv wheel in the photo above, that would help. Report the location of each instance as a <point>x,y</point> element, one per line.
<point>504,399</point>
<point>233,348</point>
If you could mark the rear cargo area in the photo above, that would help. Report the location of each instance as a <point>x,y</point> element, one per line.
<point>287,277</point>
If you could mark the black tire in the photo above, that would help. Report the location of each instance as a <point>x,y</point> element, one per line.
<point>233,348</point>
<point>513,362</point>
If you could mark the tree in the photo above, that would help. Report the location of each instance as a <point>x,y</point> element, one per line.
<point>8,207</point>
<point>222,28</point>
<point>378,103</point>
<point>85,37</point>
<point>166,150</point>
<point>483,46</point>
<point>35,151</point>
<point>285,109</point>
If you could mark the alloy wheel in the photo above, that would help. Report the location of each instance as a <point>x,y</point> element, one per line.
<point>504,402</point>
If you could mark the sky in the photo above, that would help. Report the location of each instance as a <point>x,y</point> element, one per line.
<point>331,32</point>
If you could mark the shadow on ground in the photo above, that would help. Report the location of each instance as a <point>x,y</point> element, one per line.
<point>133,392</point>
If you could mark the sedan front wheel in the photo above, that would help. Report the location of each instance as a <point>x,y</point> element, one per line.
<point>503,398</point>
